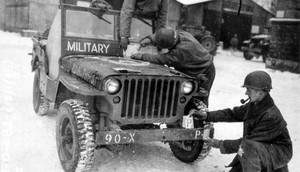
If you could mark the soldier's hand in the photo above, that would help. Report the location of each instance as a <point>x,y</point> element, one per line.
<point>213,143</point>
<point>137,56</point>
<point>200,114</point>
<point>124,43</point>
<point>145,42</point>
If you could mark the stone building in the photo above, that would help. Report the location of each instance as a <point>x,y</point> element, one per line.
<point>222,17</point>
<point>285,37</point>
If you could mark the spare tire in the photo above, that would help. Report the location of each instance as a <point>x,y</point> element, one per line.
<point>209,43</point>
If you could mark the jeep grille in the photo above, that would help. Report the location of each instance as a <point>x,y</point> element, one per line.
<point>150,98</point>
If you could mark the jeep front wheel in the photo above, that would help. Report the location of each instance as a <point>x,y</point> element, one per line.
<point>74,136</point>
<point>187,151</point>
<point>40,103</point>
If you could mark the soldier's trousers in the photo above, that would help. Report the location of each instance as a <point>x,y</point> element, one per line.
<point>210,74</point>
<point>254,157</point>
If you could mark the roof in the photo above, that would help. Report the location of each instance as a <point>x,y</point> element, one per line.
<point>268,5</point>
<point>191,2</point>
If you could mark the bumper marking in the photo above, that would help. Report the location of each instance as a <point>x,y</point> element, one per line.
<point>148,135</point>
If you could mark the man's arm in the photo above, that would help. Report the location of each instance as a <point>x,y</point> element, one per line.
<point>126,16</point>
<point>227,115</point>
<point>162,59</point>
<point>162,15</point>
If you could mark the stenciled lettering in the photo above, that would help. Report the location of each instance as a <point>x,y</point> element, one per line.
<point>71,47</point>
<point>197,133</point>
<point>88,47</point>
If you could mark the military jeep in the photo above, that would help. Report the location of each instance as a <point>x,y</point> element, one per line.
<point>258,45</point>
<point>103,98</point>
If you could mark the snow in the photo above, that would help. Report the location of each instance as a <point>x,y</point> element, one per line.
<point>28,144</point>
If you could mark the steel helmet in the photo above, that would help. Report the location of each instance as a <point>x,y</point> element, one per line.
<point>166,38</point>
<point>258,80</point>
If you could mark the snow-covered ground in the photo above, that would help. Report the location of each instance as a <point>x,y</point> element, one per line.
<point>27,142</point>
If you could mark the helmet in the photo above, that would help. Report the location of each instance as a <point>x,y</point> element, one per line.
<point>166,38</point>
<point>258,80</point>
<point>202,28</point>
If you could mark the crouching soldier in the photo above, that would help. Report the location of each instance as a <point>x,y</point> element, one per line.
<point>266,145</point>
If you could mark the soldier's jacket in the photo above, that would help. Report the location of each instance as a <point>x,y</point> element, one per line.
<point>148,8</point>
<point>188,56</point>
<point>263,123</point>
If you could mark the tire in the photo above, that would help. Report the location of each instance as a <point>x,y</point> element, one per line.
<point>247,55</point>
<point>74,136</point>
<point>40,103</point>
<point>198,149</point>
<point>187,156</point>
<point>209,43</point>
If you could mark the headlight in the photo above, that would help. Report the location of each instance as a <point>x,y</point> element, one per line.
<point>187,87</point>
<point>112,86</point>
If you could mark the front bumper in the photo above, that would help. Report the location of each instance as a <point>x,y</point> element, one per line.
<point>151,135</point>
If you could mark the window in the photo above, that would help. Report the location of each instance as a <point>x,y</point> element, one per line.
<point>87,25</point>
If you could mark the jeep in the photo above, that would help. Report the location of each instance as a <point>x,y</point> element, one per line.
<point>258,45</point>
<point>103,98</point>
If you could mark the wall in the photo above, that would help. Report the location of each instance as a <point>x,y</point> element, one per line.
<point>212,18</point>
<point>42,13</point>
<point>173,14</point>
<point>261,18</point>
<point>288,9</point>
<point>2,14</point>
<point>16,15</point>
<point>285,37</point>
<point>27,14</point>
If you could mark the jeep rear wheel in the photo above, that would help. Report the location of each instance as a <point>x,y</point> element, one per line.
<point>74,136</point>
<point>247,55</point>
<point>40,103</point>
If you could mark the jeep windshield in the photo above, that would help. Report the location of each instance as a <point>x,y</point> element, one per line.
<point>84,24</point>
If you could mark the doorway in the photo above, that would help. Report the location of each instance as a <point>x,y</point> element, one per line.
<point>235,24</point>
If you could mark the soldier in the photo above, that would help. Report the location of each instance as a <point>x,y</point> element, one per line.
<point>234,41</point>
<point>150,8</point>
<point>185,54</point>
<point>266,144</point>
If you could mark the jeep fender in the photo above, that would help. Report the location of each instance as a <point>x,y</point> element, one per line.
<point>39,58</point>
<point>79,87</point>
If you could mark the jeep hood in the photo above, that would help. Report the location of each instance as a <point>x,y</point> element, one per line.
<point>108,66</point>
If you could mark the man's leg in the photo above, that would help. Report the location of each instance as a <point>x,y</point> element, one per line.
<point>254,157</point>
<point>282,169</point>
<point>236,168</point>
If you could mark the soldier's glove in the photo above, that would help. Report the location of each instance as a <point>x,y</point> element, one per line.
<point>200,114</point>
<point>124,43</point>
<point>137,56</point>
<point>213,143</point>
<point>145,42</point>
<point>101,4</point>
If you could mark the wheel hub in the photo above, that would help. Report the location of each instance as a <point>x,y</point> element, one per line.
<point>67,138</point>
